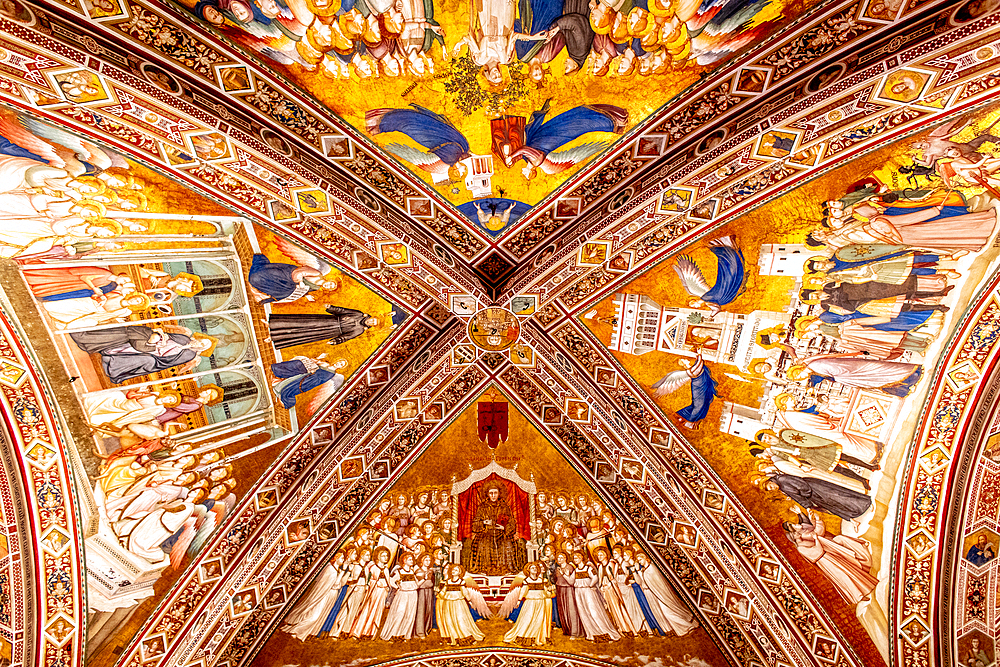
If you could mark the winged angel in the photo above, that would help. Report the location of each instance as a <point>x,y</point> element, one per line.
<point>459,601</point>
<point>728,281</point>
<point>446,146</point>
<point>542,137</point>
<point>276,282</point>
<point>529,605</point>
<point>702,389</point>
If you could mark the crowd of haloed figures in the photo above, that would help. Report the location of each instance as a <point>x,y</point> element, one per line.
<point>399,578</point>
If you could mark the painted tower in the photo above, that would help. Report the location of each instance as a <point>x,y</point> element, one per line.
<point>641,325</point>
<point>783,259</point>
<point>740,420</point>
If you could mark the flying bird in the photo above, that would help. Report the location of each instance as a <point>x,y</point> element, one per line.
<point>728,280</point>
<point>702,389</point>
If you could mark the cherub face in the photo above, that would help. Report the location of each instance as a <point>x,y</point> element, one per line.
<point>493,74</point>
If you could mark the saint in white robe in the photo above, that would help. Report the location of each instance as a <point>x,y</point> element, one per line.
<point>356,591</point>
<point>143,537</point>
<point>669,612</point>
<point>86,312</point>
<point>308,615</point>
<point>401,619</point>
<point>534,621</point>
<point>590,606</point>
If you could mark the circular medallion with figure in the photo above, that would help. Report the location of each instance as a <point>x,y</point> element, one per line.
<point>494,329</point>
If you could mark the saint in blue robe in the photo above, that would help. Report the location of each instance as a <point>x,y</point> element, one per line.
<point>8,147</point>
<point>647,611</point>
<point>298,380</point>
<point>432,131</point>
<point>729,279</point>
<point>978,556</point>
<point>905,321</point>
<point>273,279</point>
<point>332,616</point>
<point>547,135</point>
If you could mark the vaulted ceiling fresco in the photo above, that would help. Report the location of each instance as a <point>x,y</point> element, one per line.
<point>505,534</point>
<point>295,369</point>
<point>793,346</point>
<point>495,105</point>
<point>189,344</point>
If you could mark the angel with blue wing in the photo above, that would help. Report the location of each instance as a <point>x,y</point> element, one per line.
<point>277,282</point>
<point>446,146</point>
<point>728,281</point>
<point>542,137</point>
<point>702,389</point>
<point>458,599</point>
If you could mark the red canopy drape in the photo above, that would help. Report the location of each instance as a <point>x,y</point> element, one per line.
<point>517,500</point>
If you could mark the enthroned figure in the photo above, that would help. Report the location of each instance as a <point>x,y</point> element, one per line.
<point>494,548</point>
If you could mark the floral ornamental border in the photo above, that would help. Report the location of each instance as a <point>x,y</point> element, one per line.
<point>598,453</point>
<point>642,228</point>
<point>921,540</point>
<point>968,609</point>
<point>51,515</point>
<point>495,657</point>
<point>117,121</point>
<point>39,451</point>
<point>826,30</point>
<point>17,612</point>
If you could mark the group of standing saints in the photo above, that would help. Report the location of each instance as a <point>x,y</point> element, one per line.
<point>399,578</point>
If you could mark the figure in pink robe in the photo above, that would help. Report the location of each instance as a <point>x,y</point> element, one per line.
<point>845,561</point>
